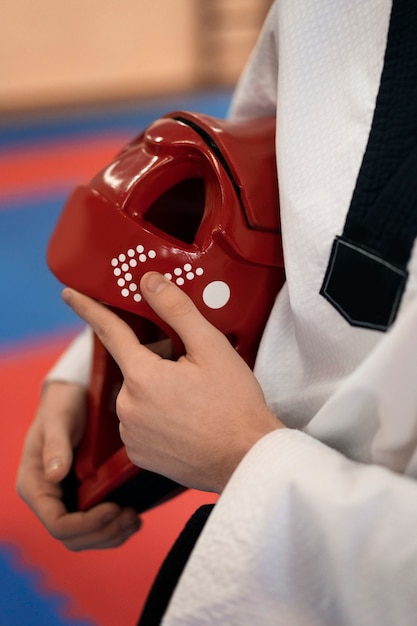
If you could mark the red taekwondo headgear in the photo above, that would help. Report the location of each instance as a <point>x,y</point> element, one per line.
<point>192,197</point>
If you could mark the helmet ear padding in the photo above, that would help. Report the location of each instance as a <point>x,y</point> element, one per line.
<point>195,198</point>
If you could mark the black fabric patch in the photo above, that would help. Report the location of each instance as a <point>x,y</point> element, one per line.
<point>364,288</point>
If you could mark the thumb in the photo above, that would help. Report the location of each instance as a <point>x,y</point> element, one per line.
<point>57,455</point>
<point>64,413</point>
<point>177,309</point>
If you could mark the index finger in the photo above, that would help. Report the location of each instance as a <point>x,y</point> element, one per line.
<point>116,336</point>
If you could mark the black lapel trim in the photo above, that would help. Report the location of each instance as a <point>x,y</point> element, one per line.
<point>367,270</point>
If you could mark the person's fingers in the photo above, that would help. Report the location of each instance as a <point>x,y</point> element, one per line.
<point>105,526</point>
<point>63,426</point>
<point>173,306</point>
<point>102,527</point>
<point>46,460</point>
<point>117,336</point>
<point>169,302</point>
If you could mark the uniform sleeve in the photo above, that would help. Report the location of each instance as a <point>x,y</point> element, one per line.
<point>74,365</point>
<point>319,527</point>
<point>303,536</point>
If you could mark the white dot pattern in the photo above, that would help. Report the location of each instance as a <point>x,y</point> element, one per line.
<point>215,294</point>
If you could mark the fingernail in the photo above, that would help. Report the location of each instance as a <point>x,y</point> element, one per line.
<point>155,282</point>
<point>67,296</point>
<point>53,466</point>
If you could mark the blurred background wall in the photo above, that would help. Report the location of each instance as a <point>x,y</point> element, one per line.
<point>78,51</point>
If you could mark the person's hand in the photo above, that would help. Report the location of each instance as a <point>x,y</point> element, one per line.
<point>46,460</point>
<point>191,420</point>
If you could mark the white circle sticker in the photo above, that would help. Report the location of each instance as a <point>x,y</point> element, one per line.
<point>216,294</point>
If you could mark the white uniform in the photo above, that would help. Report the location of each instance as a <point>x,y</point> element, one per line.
<point>317,526</point>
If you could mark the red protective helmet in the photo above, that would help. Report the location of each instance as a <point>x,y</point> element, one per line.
<point>195,198</point>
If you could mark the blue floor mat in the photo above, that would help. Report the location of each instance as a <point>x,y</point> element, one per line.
<point>24,601</point>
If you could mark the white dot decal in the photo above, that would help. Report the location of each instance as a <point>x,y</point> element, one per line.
<point>125,270</point>
<point>216,294</point>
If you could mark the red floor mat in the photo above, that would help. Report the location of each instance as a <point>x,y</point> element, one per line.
<point>55,166</point>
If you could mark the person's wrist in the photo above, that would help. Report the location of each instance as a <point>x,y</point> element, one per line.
<point>243,448</point>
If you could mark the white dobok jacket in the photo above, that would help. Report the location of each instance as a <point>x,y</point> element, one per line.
<point>318,525</point>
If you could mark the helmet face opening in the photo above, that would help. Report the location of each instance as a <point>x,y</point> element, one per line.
<point>178,212</point>
<point>196,199</point>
